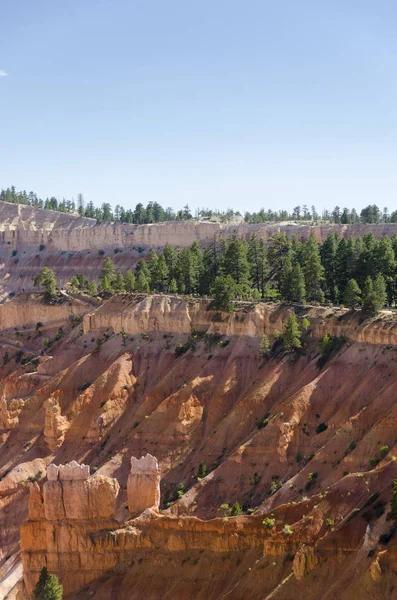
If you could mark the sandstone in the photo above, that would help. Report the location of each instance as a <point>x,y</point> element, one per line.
<point>36,507</point>
<point>55,424</point>
<point>143,486</point>
<point>73,472</point>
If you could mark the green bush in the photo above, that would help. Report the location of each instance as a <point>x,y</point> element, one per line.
<point>268,523</point>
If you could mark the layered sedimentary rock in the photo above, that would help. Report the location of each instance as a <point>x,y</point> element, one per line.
<point>143,485</point>
<point>55,424</point>
<point>71,505</point>
<point>140,314</point>
<point>24,226</point>
<point>295,442</point>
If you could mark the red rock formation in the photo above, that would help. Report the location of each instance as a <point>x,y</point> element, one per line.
<point>143,484</point>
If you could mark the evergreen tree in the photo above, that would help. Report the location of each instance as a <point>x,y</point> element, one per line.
<point>234,262</point>
<point>129,281</point>
<point>313,271</point>
<point>92,288</point>
<point>162,274</point>
<point>151,264</point>
<point>328,260</point>
<point>142,282</point>
<point>171,258</point>
<point>259,266</point>
<point>374,294</point>
<point>118,284</point>
<point>292,282</point>
<point>264,346</point>
<point>352,295</point>
<point>47,587</point>
<point>105,286</point>
<point>108,271</point>
<point>46,277</point>
<point>292,334</point>
<point>223,292</point>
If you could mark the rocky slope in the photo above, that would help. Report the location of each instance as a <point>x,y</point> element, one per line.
<point>311,447</point>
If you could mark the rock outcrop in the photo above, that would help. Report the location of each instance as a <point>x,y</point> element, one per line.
<point>55,425</point>
<point>143,485</point>
<point>26,226</point>
<point>71,505</point>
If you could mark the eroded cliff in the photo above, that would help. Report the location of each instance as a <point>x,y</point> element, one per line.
<point>310,447</point>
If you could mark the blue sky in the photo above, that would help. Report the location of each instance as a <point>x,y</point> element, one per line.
<point>218,103</point>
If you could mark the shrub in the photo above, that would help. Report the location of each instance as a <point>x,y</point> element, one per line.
<point>14,252</point>
<point>311,478</point>
<point>373,462</point>
<point>383,451</point>
<point>268,523</point>
<point>262,422</point>
<point>101,252</point>
<point>321,427</point>
<point>329,345</point>
<point>182,348</point>
<point>224,343</point>
<point>41,247</point>
<point>85,385</point>
<point>202,471</point>
<point>287,530</point>
<point>235,510</point>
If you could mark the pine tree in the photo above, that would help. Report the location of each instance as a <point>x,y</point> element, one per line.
<point>352,295</point>
<point>374,293</point>
<point>47,587</point>
<point>151,264</point>
<point>108,271</point>
<point>292,282</point>
<point>46,277</point>
<point>234,262</point>
<point>105,286</point>
<point>129,281</point>
<point>92,288</point>
<point>118,284</point>
<point>264,346</point>
<point>313,271</point>
<point>162,274</point>
<point>223,292</point>
<point>328,260</point>
<point>142,282</point>
<point>292,334</point>
<point>171,258</point>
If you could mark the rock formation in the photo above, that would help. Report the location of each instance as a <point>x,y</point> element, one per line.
<point>308,452</point>
<point>143,485</point>
<point>55,425</point>
<point>71,505</point>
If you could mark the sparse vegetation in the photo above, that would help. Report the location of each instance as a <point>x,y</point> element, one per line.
<point>268,523</point>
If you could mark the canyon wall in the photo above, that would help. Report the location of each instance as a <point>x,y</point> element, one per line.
<point>23,226</point>
<point>144,314</point>
<point>307,449</point>
<point>28,309</point>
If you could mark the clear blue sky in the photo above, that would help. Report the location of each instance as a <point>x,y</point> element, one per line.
<point>241,103</point>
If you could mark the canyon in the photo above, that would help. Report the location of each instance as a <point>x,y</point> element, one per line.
<point>148,448</point>
<point>33,238</point>
<point>306,447</point>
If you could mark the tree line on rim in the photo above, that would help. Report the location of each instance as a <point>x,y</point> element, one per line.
<point>155,213</point>
<point>354,272</point>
